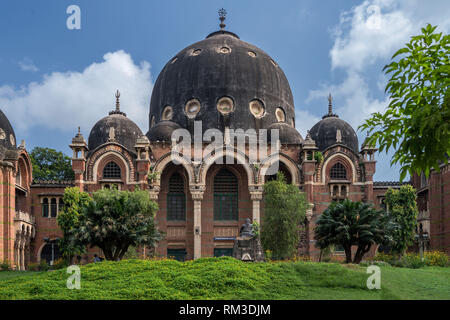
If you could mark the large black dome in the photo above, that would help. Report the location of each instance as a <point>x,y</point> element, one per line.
<point>220,66</point>
<point>125,131</point>
<point>325,133</point>
<point>7,135</point>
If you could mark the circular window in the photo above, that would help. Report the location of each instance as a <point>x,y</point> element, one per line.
<point>2,134</point>
<point>251,54</point>
<point>12,140</point>
<point>225,105</point>
<point>196,52</point>
<point>225,50</point>
<point>293,122</point>
<point>173,60</point>
<point>152,122</point>
<point>274,63</point>
<point>167,113</point>
<point>192,108</point>
<point>256,108</point>
<point>281,116</point>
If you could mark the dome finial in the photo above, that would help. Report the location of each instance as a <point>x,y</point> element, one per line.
<point>330,104</point>
<point>330,108</point>
<point>117,101</point>
<point>117,111</point>
<point>222,16</point>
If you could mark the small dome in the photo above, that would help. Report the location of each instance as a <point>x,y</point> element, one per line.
<point>125,131</point>
<point>162,131</point>
<point>7,135</point>
<point>287,134</point>
<point>325,133</point>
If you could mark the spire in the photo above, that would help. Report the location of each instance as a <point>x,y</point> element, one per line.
<point>330,108</point>
<point>117,101</point>
<point>222,17</point>
<point>117,110</point>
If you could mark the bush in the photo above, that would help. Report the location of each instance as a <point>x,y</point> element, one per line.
<point>43,266</point>
<point>412,260</point>
<point>59,264</point>
<point>436,258</point>
<point>33,267</point>
<point>5,266</point>
<point>384,257</point>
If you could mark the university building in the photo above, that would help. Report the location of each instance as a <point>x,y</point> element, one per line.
<point>224,84</point>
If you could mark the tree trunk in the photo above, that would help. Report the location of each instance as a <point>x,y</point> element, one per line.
<point>348,253</point>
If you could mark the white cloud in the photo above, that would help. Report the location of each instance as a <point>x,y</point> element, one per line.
<point>27,65</point>
<point>66,100</point>
<point>304,121</point>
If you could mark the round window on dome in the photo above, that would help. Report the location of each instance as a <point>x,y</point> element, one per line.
<point>174,60</point>
<point>2,134</point>
<point>196,52</point>
<point>256,108</point>
<point>225,50</point>
<point>252,54</point>
<point>11,139</point>
<point>280,114</point>
<point>167,113</point>
<point>192,108</point>
<point>152,122</point>
<point>274,63</point>
<point>225,105</point>
<point>293,122</point>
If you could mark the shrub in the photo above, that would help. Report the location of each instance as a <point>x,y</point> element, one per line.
<point>43,266</point>
<point>5,266</point>
<point>436,258</point>
<point>59,264</point>
<point>412,260</point>
<point>33,266</point>
<point>384,257</point>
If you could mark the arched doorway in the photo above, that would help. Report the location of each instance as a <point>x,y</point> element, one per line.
<point>226,195</point>
<point>50,252</point>
<point>284,170</point>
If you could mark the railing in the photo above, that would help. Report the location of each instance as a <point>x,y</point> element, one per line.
<point>25,217</point>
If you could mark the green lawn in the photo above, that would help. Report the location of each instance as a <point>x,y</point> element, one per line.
<point>227,278</point>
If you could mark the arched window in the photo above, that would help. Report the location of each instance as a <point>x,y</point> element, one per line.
<point>338,172</point>
<point>61,204</point>
<point>53,208</point>
<point>45,208</point>
<point>111,171</point>
<point>50,252</point>
<point>225,196</point>
<point>176,199</point>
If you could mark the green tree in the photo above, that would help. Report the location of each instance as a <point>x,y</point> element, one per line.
<point>49,164</point>
<point>350,224</point>
<point>284,209</point>
<point>416,122</point>
<point>115,220</point>
<point>402,210</point>
<point>68,220</point>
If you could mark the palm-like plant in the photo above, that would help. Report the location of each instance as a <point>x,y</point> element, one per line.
<point>351,223</point>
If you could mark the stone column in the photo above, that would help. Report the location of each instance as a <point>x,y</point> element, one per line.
<point>197,196</point>
<point>256,194</point>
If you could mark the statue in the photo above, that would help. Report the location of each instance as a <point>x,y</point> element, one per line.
<point>246,230</point>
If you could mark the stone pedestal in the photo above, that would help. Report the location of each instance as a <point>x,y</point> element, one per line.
<point>248,249</point>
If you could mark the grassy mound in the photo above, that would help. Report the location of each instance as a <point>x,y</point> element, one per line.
<point>227,278</point>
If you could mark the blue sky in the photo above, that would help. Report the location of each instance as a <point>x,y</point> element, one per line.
<point>53,79</point>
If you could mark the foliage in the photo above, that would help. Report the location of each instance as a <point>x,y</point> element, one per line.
<point>68,220</point>
<point>33,266</point>
<point>43,265</point>
<point>436,258</point>
<point>284,209</point>
<point>5,266</point>
<point>115,220</point>
<point>226,278</point>
<point>351,223</point>
<point>153,176</point>
<point>59,264</point>
<point>49,164</point>
<point>413,260</point>
<point>416,122</point>
<point>131,253</point>
<point>256,228</point>
<point>402,210</point>
<point>318,156</point>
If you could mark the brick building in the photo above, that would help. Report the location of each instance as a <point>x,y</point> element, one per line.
<point>221,90</point>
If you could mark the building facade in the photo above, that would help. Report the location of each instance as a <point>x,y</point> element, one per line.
<point>221,124</point>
